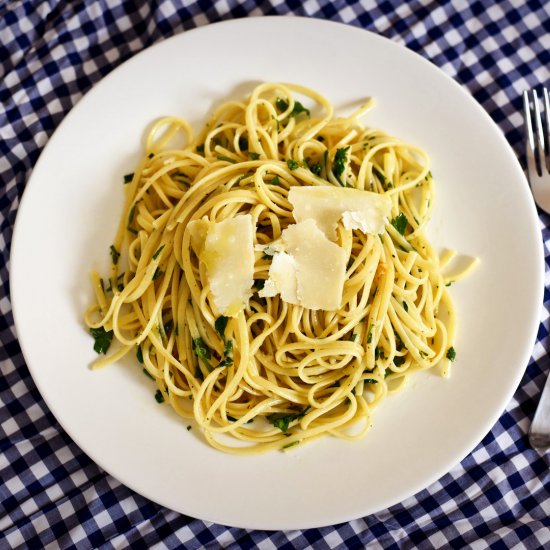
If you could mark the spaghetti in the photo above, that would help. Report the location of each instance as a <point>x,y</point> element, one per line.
<point>275,374</point>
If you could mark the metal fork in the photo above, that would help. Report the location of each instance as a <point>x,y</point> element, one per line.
<point>537,150</point>
<point>537,146</point>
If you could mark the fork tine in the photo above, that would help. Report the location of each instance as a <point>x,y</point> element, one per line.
<point>547,117</point>
<point>530,140</point>
<point>539,135</point>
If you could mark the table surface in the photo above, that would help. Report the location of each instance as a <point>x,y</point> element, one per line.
<point>51,493</point>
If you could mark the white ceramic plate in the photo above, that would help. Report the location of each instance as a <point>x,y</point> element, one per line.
<point>68,216</point>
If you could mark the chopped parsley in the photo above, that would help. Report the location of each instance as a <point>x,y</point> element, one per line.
<point>451,354</point>
<point>405,306</point>
<point>292,164</point>
<point>220,324</point>
<point>131,214</point>
<point>398,361</point>
<point>379,175</point>
<point>370,381</point>
<point>369,335</point>
<point>148,374</point>
<point>226,159</point>
<point>227,360</point>
<point>180,177</point>
<point>281,104</point>
<point>253,155</point>
<point>316,169</point>
<point>243,143</point>
<point>158,272</point>
<point>115,254</point>
<point>283,420</point>
<point>298,109</point>
<point>159,397</point>
<point>354,337</point>
<point>139,355</point>
<point>449,283</point>
<point>201,350</point>
<point>339,164</point>
<point>102,339</point>
<point>275,181</point>
<point>157,253</point>
<point>400,223</point>
<point>288,445</point>
<point>128,178</point>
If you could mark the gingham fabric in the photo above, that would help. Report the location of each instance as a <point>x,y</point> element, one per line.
<point>51,494</point>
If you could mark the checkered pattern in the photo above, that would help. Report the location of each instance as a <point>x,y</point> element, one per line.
<point>51,494</point>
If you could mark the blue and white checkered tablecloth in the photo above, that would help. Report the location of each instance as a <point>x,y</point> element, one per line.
<point>51,494</point>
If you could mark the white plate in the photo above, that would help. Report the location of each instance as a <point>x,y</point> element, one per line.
<point>68,216</point>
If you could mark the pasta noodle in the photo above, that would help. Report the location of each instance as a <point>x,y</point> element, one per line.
<point>276,374</point>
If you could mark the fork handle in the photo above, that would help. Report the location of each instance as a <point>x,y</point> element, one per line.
<point>539,433</point>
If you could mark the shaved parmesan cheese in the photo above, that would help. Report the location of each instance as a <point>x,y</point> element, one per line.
<point>326,205</point>
<point>282,279</point>
<point>311,271</point>
<point>197,231</point>
<point>228,254</point>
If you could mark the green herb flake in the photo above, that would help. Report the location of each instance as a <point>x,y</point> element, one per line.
<point>369,335</point>
<point>283,420</point>
<point>115,254</point>
<point>379,175</point>
<point>128,178</point>
<point>202,351</point>
<point>405,306</point>
<point>281,104</point>
<point>449,283</point>
<point>227,360</point>
<point>102,339</point>
<point>354,337</point>
<point>377,353</point>
<point>298,109</point>
<point>451,354</point>
<point>139,354</point>
<point>158,272</point>
<point>159,398</point>
<point>288,445</point>
<point>398,361</point>
<point>131,214</point>
<point>253,155</point>
<point>220,324</point>
<point>339,164</point>
<point>292,164</point>
<point>316,169</point>
<point>180,178</point>
<point>370,381</point>
<point>400,223</point>
<point>157,253</point>
<point>226,159</point>
<point>148,374</point>
<point>276,181</point>
<point>188,428</point>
